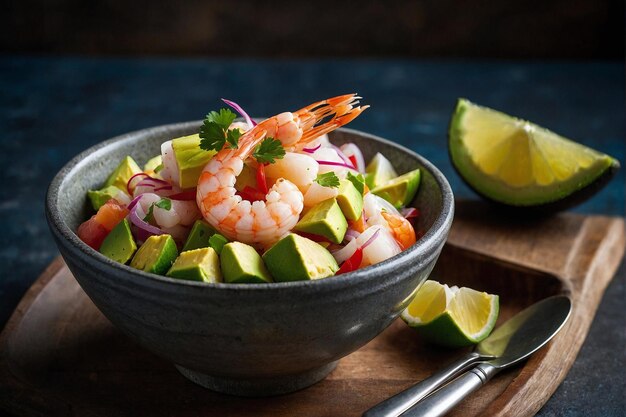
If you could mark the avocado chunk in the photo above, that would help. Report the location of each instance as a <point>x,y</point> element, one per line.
<point>296,258</point>
<point>324,219</point>
<point>99,197</point>
<point>350,200</point>
<point>247,178</point>
<point>156,255</point>
<point>191,159</point>
<point>152,164</point>
<point>379,171</point>
<point>124,171</point>
<point>201,264</point>
<point>241,263</point>
<point>217,242</point>
<point>119,244</point>
<point>400,190</point>
<point>199,236</point>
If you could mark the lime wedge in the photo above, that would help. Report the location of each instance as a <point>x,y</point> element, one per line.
<point>379,171</point>
<point>400,190</point>
<point>452,316</point>
<point>516,162</point>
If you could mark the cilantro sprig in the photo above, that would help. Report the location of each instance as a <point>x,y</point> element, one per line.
<point>214,132</point>
<point>328,179</point>
<point>357,180</point>
<point>164,203</point>
<point>268,151</point>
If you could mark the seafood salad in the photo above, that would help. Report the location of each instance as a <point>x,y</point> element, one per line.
<point>247,202</point>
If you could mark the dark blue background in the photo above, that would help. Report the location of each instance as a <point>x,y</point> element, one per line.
<point>53,108</point>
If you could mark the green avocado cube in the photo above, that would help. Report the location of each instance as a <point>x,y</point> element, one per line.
<point>156,255</point>
<point>191,159</point>
<point>241,263</point>
<point>119,244</point>
<point>350,200</point>
<point>199,236</point>
<point>324,219</point>
<point>99,197</point>
<point>217,242</point>
<point>153,163</point>
<point>197,265</point>
<point>296,258</point>
<point>401,190</point>
<point>124,171</point>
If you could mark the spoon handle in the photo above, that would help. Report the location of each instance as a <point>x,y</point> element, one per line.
<point>446,398</point>
<point>399,403</point>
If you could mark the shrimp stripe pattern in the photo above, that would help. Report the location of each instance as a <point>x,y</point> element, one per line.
<point>261,223</point>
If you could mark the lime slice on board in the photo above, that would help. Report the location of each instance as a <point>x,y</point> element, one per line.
<point>518,163</point>
<point>379,171</point>
<point>400,190</point>
<point>452,316</point>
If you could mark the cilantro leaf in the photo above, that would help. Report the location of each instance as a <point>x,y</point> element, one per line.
<point>150,216</point>
<point>164,203</point>
<point>223,119</point>
<point>214,131</point>
<point>328,179</point>
<point>232,137</point>
<point>212,136</point>
<point>268,151</point>
<point>358,180</point>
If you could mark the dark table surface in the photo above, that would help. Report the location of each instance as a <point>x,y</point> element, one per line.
<point>53,108</point>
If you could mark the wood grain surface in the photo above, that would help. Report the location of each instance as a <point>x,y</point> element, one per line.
<point>60,356</point>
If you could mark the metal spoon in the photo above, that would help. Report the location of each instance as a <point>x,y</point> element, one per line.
<point>509,344</point>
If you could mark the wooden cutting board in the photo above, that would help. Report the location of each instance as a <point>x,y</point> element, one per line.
<point>60,357</point>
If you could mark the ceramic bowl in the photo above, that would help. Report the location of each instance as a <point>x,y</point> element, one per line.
<point>246,339</point>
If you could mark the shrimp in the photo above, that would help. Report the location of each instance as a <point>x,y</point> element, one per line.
<point>401,229</point>
<point>380,212</point>
<point>261,223</point>
<point>180,213</point>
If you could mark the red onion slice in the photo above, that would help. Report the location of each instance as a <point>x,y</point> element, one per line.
<point>337,164</point>
<point>154,182</point>
<point>410,212</point>
<point>163,188</point>
<point>352,234</point>
<point>343,157</point>
<point>371,239</point>
<point>134,202</point>
<point>312,150</point>
<point>130,180</point>
<point>238,109</point>
<point>350,149</point>
<point>145,229</point>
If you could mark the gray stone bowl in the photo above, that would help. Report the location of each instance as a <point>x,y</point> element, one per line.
<point>246,339</point>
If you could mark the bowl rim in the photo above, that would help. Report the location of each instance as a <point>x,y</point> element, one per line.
<point>426,245</point>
